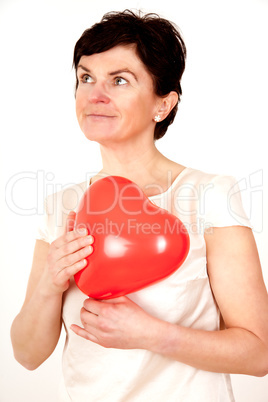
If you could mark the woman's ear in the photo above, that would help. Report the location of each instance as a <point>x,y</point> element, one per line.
<point>166,104</point>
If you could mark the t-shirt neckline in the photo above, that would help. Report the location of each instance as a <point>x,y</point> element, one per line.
<point>175,181</point>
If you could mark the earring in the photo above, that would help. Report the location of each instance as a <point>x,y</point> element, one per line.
<point>157,118</point>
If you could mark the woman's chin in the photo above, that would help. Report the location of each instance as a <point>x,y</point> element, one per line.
<point>101,138</point>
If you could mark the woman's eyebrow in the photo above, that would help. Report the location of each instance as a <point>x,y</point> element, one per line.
<point>120,71</point>
<point>124,70</point>
<point>83,68</point>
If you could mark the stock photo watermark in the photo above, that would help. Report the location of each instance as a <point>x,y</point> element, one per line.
<point>189,202</point>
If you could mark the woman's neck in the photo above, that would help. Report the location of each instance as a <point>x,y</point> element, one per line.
<point>144,165</point>
<point>128,161</point>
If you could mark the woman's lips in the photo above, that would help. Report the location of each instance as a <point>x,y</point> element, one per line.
<point>100,116</point>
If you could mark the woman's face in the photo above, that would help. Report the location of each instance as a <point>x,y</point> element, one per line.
<point>115,99</point>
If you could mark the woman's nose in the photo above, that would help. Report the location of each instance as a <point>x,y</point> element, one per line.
<point>98,94</point>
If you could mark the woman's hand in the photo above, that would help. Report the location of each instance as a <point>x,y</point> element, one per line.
<point>118,323</point>
<point>66,257</point>
<point>36,329</point>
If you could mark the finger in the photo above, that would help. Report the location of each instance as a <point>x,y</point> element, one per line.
<point>67,272</point>
<point>74,246</point>
<point>96,306</point>
<point>69,236</point>
<point>83,333</point>
<point>70,222</point>
<point>64,254</point>
<point>67,261</point>
<point>115,300</point>
<point>93,306</point>
<point>90,322</point>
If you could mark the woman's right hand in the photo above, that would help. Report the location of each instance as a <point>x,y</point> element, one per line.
<point>66,257</point>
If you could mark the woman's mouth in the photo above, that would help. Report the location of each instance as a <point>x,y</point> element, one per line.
<point>99,117</point>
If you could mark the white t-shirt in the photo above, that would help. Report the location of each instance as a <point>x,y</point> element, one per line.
<point>94,373</point>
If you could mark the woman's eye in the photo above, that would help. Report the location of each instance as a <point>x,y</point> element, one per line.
<point>120,81</point>
<point>86,78</point>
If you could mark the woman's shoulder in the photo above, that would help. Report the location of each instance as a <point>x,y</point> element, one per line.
<point>216,198</point>
<point>196,176</point>
<point>66,198</point>
<point>191,180</point>
<point>56,209</point>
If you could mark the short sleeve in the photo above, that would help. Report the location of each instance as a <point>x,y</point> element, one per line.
<point>223,204</point>
<point>56,209</point>
<point>52,221</point>
<point>42,232</point>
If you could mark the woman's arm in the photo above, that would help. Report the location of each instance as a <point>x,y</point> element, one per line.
<point>237,284</point>
<point>239,290</point>
<point>238,287</point>
<point>36,329</point>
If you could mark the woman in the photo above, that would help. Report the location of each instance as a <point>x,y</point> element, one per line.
<point>180,338</point>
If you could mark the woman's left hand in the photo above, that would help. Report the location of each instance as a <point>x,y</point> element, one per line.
<point>118,323</point>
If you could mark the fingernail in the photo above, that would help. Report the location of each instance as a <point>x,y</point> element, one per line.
<point>82,231</point>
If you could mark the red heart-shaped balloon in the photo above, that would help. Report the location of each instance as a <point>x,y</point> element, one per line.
<point>136,242</point>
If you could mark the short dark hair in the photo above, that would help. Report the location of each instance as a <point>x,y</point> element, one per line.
<point>159,45</point>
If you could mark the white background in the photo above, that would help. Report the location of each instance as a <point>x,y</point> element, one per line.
<point>220,128</point>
